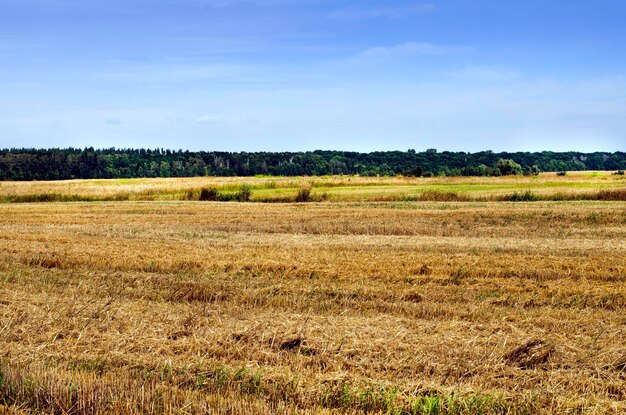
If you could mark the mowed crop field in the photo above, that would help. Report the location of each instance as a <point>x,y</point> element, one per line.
<point>366,302</point>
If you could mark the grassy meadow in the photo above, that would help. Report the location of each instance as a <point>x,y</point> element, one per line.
<point>379,295</point>
<point>547,186</point>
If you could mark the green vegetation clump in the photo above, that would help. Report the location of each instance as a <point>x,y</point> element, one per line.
<point>508,167</point>
<point>208,194</point>
<point>244,193</point>
<point>535,170</point>
<point>211,194</point>
<point>526,196</point>
<point>304,194</point>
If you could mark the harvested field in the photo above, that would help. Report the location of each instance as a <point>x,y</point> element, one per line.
<point>345,306</point>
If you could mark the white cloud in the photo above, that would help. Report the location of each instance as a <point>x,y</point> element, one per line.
<point>387,12</point>
<point>411,49</point>
<point>209,119</point>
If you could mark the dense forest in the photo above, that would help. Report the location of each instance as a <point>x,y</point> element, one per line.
<point>89,163</point>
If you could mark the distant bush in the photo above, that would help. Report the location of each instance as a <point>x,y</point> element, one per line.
<point>211,194</point>
<point>244,193</point>
<point>527,196</point>
<point>561,173</point>
<point>208,194</point>
<point>535,170</point>
<point>508,167</point>
<point>304,194</point>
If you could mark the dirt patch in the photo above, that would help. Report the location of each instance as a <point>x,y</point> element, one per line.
<point>530,354</point>
<point>291,344</point>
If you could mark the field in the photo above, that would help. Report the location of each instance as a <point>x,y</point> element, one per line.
<point>548,186</point>
<point>379,295</point>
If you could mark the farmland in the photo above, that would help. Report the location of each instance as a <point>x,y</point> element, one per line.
<point>548,186</point>
<point>380,295</point>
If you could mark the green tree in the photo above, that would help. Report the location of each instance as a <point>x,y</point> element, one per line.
<point>535,170</point>
<point>414,172</point>
<point>508,167</point>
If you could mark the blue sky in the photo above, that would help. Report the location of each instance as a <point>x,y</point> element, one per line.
<point>278,75</point>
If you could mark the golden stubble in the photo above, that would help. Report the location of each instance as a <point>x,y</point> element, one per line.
<point>524,301</point>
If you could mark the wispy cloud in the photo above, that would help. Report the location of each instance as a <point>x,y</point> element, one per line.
<point>484,74</point>
<point>411,49</point>
<point>386,12</point>
<point>209,119</point>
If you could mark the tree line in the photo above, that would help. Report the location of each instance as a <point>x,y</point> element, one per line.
<point>90,163</point>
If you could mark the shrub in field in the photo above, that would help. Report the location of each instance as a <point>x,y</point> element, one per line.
<point>527,196</point>
<point>304,194</point>
<point>244,193</point>
<point>208,194</point>
<point>561,173</point>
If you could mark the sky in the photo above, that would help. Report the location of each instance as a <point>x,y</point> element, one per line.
<point>297,75</point>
